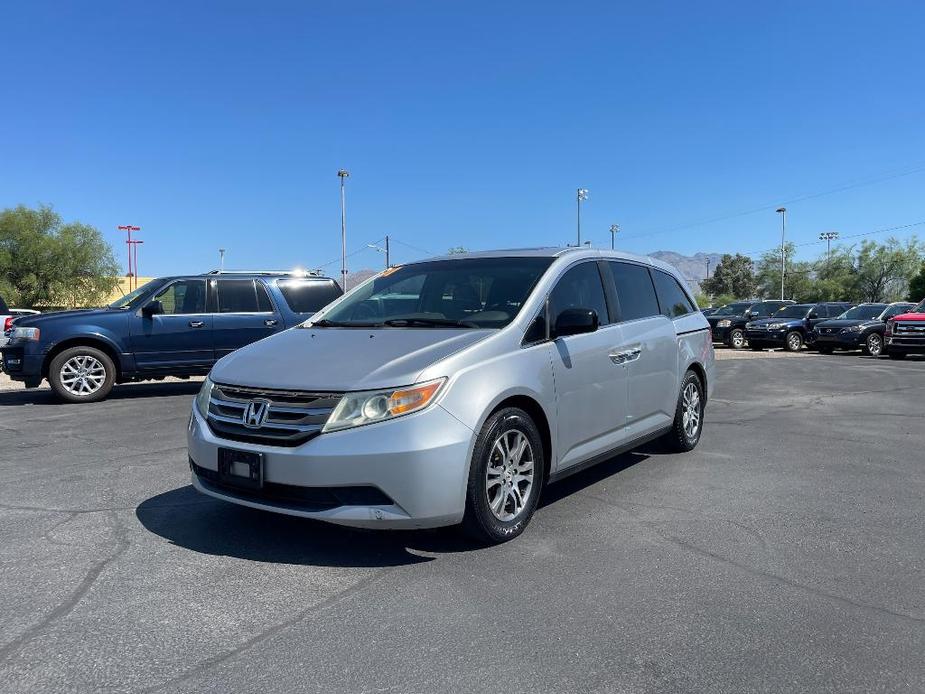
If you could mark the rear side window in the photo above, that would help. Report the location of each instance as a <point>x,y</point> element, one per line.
<point>580,287</point>
<point>308,296</point>
<point>634,291</point>
<point>237,296</point>
<point>672,298</point>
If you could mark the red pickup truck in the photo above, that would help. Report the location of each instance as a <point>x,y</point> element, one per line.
<point>905,333</point>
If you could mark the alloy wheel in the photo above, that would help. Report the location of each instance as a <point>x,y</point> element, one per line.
<point>874,344</point>
<point>509,475</point>
<point>83,375</point>
<point>738,339</point>
<point>794,342</point>
<point>690,411</point>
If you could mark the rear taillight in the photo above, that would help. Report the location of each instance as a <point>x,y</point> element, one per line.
<point>8,323</point>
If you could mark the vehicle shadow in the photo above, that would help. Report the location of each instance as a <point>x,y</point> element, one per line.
<point>128,391</point>
<point>209,526</point>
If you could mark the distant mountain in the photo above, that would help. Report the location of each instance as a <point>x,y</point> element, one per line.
<point>692,267</point>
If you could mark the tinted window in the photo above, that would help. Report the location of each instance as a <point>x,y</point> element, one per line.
<point>763,309</point>
<point>672,299</point>
<point>308,296</point>
<point>728,309</point>
<point>237,296</point>
<point>580,287</point>
<point>263,299</point>
<point>464,293</point>
<point>896,310</point>
<point>184,296</point>
<point>793,311</point>
<point>866,312</point>
<point>634,290</point>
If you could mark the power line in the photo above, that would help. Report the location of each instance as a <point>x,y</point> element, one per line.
<point>849,236</point>
<point>770,206</point>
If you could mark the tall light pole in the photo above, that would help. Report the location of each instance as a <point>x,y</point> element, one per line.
<point>708,268</point>
<point>782,211</point>
<point>343,174</point>
<point>128,244</point>
<point>614,228</point>
<point>582,194</point>
<point>221,258</point>
<point>135,243</point>
<point>385,250</point>
<point>828,237</point>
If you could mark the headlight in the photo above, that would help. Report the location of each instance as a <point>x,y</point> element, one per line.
<point>725,323</point>
<point>31,334</point>
<point>777,326</point>
<point>853,329</point>
<point>203,397</point>
<point>367,407</point>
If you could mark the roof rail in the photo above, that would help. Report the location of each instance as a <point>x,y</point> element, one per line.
<point>297,273</point>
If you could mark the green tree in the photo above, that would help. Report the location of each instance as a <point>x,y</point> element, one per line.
<point>458,250</point>
<point>883,271</point>
<point>798,276</point>
<point>734,276</point>
<point>44,262</point>
<point>917,286</point>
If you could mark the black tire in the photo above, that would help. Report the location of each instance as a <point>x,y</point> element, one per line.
<point>737,335</point>
<point>896,355</point>
<point>100,383</point>
<point>873,345</point>
<point>678,440</point>
<point>480,522</point>
<point>793,342</point>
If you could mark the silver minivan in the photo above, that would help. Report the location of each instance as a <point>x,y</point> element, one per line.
<point>451,391</point>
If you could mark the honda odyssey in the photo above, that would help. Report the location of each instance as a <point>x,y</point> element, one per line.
<point>451,391</point>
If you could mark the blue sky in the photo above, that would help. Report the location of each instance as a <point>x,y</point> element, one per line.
<point>223,123</point>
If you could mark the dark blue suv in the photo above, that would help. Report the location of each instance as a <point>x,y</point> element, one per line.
<point>792,326</point>
<point>173,326</point>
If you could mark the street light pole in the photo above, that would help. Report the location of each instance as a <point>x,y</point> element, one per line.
<point>614,228</point>
<point>828,237</point>
<point>128,245</point>
<point>783,230</point>
<point>581,195</point>
<point>135,243</point>
<point>221,259</point>
<point>343,174</point>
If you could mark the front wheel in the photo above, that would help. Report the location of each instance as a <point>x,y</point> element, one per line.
<point>794,341</point>
<point>81,374</point>
<point>506,476</point>
<point>688,417</point>
<point>873,345</point>
<point>737,339</point>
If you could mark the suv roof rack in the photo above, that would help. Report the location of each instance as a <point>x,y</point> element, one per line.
<point>294,273</point>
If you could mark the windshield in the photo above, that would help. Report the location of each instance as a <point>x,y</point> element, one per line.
<point>469,293</point>
<point>731,310</point>
<point>920,308</point>
<point>795,311</point>
<point>865,312</point>
<point>126,301</point>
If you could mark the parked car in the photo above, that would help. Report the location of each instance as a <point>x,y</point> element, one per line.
<point>172,326</point>
<point>861,327</point>
<point>489,375</point>
<point>905,333</point>
<point>729,327</point>
<point>791,326</point>
<point>709,311</point>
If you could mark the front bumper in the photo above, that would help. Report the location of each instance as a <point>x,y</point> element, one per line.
<point>18,364</point>
<point>420,461</point>
<point>904,344</point>
<point>766,336</point>
<point>721,334</point>
<point>851,340</point>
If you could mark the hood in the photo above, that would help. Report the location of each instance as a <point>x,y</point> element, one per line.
<point>915,317</point>
<point>341,359</point>
<point>846,322</point>
<point>45,318</point>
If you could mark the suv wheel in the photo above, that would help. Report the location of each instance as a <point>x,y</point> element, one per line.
<point>81,374</point>
<point>794,341</point>
<point>688,417</point>
<point>874,345</point>
<point>737,339</point>
<point>506,475</point>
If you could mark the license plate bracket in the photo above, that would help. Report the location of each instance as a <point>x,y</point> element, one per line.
<point>242,469</point>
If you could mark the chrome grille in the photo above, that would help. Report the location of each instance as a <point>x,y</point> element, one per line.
<point>917,329</point>
<point>293,417</point>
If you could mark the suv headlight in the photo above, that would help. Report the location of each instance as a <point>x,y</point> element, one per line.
<point>367,407</point>
<point>725,323</point>
<point>777,326</point>
<point>204,396</point>
<point>853,329</point>
<point>31,334</point>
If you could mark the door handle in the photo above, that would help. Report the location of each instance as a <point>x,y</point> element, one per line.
<point>196,323</point>
<point>270,323</point>
<point>625,355</point>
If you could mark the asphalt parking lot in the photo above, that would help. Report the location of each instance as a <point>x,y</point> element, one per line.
<point>786,553</point>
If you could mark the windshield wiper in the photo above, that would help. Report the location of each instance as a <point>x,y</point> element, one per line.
<point>428,323</point>
<point>325,323</point>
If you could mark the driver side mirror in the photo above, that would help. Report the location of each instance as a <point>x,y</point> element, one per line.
<point>575,321</point>
<point>152,308</point>
<point>813,315</point>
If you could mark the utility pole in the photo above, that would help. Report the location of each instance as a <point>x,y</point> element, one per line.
<point>708,268</point>
<point>221,259</point>
<point>135,243</point>
<point>388,258</point>
<point>782,211</point>
<point>581,195</point>
<point>128,245</point>
<point>343,174</point>
<point>614,228</point>
<point>828,237</point>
